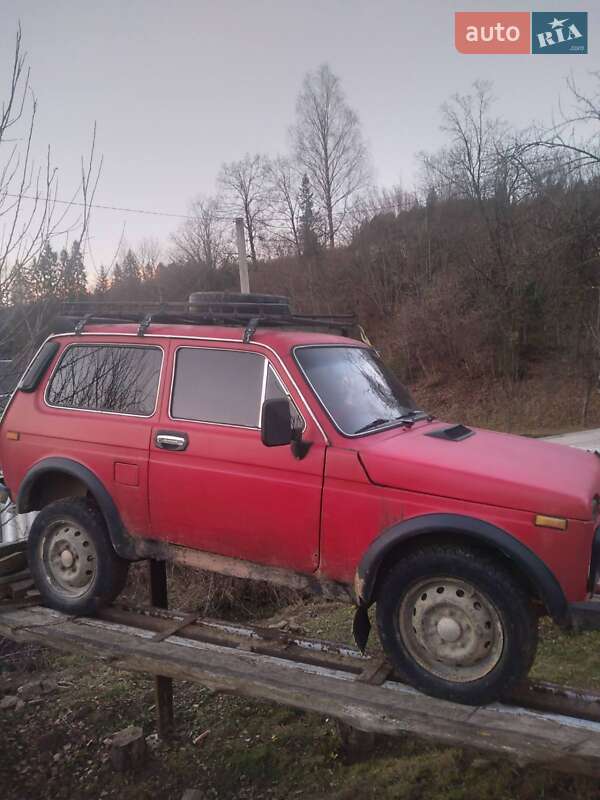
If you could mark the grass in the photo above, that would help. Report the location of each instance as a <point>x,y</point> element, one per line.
<point>56,748</point>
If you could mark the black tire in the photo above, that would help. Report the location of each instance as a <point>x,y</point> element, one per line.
<point>498,611</point>
<point>233,303</point>
<point>72,531</point>
<point>236,297</point>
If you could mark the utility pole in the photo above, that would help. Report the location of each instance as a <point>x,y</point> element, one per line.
<point>241,246</point>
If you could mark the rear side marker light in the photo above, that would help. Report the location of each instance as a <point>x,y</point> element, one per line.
<point>558,523</point>
<point>13,435</point>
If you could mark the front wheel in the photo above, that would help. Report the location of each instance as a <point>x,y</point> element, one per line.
<point>456,624</point>
<point>71,557</point>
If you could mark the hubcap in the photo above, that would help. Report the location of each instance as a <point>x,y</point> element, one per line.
<point>69,557</point>
<point>451,629</point>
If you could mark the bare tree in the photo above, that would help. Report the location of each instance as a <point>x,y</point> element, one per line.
<point>284,206</point>
<point>481,168</point>
<point>202,239</point>
<point>484,163</point>
<point>29,214</point>
<point>148,254</point>
<point>244,187</point>
<point>379,200</point>
<point>328,143</point>
<point>577,136</point>
<point>467,168</point>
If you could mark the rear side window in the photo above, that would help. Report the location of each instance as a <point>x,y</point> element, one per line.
<point>111,378</point>
<point>220,386</point>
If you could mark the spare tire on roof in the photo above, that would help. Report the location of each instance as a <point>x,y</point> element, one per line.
<point>235,304</point>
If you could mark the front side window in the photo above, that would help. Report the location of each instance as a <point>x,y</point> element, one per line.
<point>219,386</point>
<point>274,390</point>
<point>358,391</point>
<point>112,378</point>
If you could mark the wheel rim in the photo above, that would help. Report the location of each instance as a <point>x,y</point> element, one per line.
<point>451,629</point>
<point>70,559</point>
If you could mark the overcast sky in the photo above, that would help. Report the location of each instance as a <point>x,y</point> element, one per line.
<point>179,87</point>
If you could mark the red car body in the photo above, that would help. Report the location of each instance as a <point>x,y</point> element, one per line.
<point>332,514</point>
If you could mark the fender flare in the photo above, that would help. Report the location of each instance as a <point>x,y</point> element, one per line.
<point>127,546</point>
<point>528,562</point>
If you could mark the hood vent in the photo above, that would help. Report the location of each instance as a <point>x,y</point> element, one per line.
<point>454,434</point>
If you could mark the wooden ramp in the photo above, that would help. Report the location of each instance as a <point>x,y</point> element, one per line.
<point>316,676</point>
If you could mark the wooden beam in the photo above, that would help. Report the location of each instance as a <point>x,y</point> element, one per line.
<point>553,741</point>
<point>163,685</point>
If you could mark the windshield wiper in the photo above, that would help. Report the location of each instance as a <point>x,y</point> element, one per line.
<point>406,419</point>
<point>373,424</point>
<point>413,416</point>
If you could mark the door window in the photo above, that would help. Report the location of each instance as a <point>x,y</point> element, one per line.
<point>111,378</point>
<point>225,387</point>
<point>218,386</point>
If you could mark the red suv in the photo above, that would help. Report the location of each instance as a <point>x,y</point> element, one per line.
<point>258,445</point>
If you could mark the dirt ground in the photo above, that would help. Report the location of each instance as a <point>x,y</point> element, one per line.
<point>54,745</point>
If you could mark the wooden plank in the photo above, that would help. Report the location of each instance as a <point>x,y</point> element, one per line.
<point>557,699</point>
<point>268,641</point>
<point>175,627</point>
<point>376,673</point>
<point>537,695</point>
<point>554,741</point>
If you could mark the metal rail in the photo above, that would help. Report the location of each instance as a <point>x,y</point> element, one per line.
<point>324,677</point>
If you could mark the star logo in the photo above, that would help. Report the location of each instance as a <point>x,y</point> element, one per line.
<point>559,32</point>
<point>557,23</point>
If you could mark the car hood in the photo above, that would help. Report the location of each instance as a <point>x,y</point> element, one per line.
<point>496,469</point>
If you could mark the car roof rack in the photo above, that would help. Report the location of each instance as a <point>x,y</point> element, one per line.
<point>76,315</point>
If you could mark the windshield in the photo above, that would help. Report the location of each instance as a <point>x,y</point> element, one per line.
<point>359,393</point>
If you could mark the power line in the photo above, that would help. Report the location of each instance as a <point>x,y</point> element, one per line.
<point>364,208</point>
<point>99,205</point>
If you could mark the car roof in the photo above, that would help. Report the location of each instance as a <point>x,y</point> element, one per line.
<point>278,338</point>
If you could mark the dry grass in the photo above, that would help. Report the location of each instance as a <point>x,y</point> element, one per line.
<point>24,657</point>
<point>211,594</point>
<point>549,400</point>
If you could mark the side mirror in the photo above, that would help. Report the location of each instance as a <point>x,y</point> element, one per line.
<point>276,422</point>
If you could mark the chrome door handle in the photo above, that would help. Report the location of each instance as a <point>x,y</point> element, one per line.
<point>171,440</point>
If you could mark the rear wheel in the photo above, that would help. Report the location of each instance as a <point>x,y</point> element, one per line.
<point>457,624</point>
<point>71,557</point>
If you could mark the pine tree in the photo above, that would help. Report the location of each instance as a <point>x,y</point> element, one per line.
<point>102,281</point>
<point>44,275</point>
<point>131,268</point>
<point>73,276</point>
<point>20,286</point>
<point>117,275</point>
<point>309,241</point>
